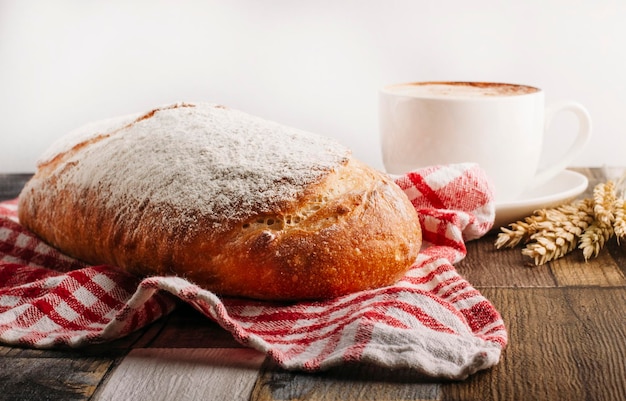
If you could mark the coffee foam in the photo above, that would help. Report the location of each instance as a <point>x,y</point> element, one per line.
<point>460,89</point>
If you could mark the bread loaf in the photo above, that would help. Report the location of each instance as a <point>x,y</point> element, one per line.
<point>236,204</point>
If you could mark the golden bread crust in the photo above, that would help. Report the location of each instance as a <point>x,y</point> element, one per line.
<point>343,228</point>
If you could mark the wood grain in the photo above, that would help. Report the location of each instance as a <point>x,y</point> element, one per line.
<point>486,266</point>
<point>348,383</point>
<point>617,250</point>
<point>184,374</point>
<point>51,378</point>
<point>573,270</point>
<point>564,344</point>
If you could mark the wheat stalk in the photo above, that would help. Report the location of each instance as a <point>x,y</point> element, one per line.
<point>549,233</point>
<point>619,225</point>
<point>587,224</point>
<point>604,198</point>
<point>594,238</point>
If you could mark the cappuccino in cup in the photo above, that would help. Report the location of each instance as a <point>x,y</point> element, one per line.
<point>461,89</point>
<point>499,126</point>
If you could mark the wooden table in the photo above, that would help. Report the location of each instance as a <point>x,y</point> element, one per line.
<point>567,341</point>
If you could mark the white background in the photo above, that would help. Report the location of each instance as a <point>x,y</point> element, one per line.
<point>316,65</point>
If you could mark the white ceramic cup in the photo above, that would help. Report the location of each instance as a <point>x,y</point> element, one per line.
<point>499,126</point>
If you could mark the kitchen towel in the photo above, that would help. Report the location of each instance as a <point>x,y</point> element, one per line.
<point>433,321</point>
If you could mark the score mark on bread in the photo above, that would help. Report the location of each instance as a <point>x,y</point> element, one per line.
<point>236,204</point>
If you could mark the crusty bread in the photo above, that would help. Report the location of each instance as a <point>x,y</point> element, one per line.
<point>239,205</point>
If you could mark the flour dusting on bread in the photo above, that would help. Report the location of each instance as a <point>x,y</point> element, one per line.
<point>223,163</point>
<point>83,134</point>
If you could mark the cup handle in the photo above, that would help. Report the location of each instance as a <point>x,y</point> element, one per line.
<point>583,136</point>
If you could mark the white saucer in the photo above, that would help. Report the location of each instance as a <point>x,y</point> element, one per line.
<point>563,188</point>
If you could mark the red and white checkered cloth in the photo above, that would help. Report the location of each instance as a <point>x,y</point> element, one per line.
<point>432,321</point>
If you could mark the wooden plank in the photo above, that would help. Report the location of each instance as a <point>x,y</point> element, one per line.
<point>348,383</point>
<point>573,270</point>
<point>617,249</point>
<point>51,378</point>
<point>564,344</point>
<point>108,351</point>
<point>183,374</point>
<point>486,266</point>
